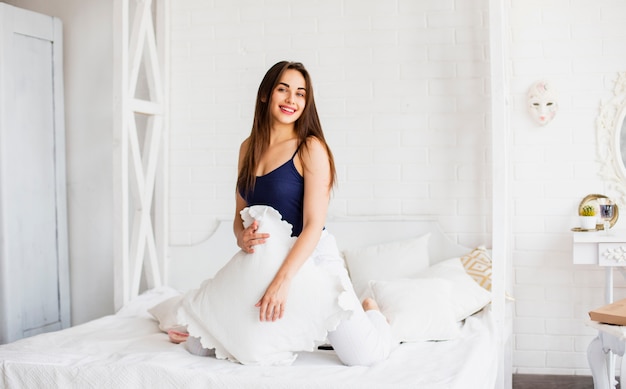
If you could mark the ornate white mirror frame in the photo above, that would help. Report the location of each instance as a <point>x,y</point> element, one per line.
<point>611,140</point>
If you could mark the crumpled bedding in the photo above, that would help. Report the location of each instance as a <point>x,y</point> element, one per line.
<point>127,350</point>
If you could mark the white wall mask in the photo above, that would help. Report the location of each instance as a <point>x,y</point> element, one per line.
<point>542,105</point>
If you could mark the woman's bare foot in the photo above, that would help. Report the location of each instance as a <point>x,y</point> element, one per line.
<point>177,336</point>
<point>370,304</point>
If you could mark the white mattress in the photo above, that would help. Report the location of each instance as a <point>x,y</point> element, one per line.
<point>127,350</point>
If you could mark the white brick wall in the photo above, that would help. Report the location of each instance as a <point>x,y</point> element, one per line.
<point>575,45</point>
<point>400,87</point>
<point>402,90</point>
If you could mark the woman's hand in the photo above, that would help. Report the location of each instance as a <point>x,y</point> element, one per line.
<point>248,238</point>
<point>272,304</point>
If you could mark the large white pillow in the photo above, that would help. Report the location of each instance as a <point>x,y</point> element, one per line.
<point>417,309</point>
<point>222,313</point>
<point>404,258</point>
<point>466,296</point>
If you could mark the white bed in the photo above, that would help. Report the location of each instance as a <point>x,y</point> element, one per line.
<point>129,350</point>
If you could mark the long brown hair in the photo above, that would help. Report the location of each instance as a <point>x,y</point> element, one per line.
<point>307,125</point>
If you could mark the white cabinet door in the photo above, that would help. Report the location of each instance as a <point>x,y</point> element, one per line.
<point>34,272</point>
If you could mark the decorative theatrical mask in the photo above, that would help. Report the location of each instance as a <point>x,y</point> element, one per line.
<point>542,104</point>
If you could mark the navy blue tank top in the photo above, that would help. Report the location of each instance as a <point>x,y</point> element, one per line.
<point>283,190</point>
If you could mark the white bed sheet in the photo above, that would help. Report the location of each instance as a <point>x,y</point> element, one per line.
<point>127,350</point>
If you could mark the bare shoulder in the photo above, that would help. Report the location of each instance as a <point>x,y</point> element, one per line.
<point>316,154</point>
<point>315,146</point>
<point>243,148</point>
<point>244,145</point>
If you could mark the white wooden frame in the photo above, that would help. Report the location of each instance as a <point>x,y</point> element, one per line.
<point>135,235</point>
<point>140,171</point>
<point>500,129</point>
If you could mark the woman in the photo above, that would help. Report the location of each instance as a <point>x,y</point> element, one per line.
<point>285,163</point>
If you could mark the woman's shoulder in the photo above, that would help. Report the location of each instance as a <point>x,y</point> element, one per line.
<point>244,145</point>
<point>312,142</point>
<point>315,149</point>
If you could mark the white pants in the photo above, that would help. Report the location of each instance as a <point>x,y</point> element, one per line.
<point>365,338</point>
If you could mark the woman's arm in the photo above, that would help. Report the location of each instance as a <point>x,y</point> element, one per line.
<point>247,238</point>
<point>316,174</point>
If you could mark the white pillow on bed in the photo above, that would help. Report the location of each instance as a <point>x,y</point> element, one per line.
<point>404,258</point>
<point>466,296</point>
<point>222,311</point>
<point>166,313</point>
<point>417,309</point>
<point>139,305</point>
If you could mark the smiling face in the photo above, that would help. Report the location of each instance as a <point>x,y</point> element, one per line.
<point>288,98</point>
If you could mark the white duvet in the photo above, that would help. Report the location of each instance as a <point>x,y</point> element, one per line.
<point>127,350</point>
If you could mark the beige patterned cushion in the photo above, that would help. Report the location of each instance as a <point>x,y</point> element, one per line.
<point>478,265</point>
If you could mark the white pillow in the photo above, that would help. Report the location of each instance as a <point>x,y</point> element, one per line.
<point>222,311</point>
<point>385,262</point>
<point>139,305</point>
<point>466,296</point>
<point>166,313</point>
<point>417,309</point>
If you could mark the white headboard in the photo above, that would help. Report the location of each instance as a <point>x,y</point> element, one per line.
<point>188,266</point>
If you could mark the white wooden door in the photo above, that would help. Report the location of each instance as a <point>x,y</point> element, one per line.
<point>34,272</point>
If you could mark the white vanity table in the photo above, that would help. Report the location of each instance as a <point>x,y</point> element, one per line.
<point>607,250</point>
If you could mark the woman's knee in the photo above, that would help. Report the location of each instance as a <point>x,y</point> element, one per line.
<point>364,356</point>
<point>359,346</point>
